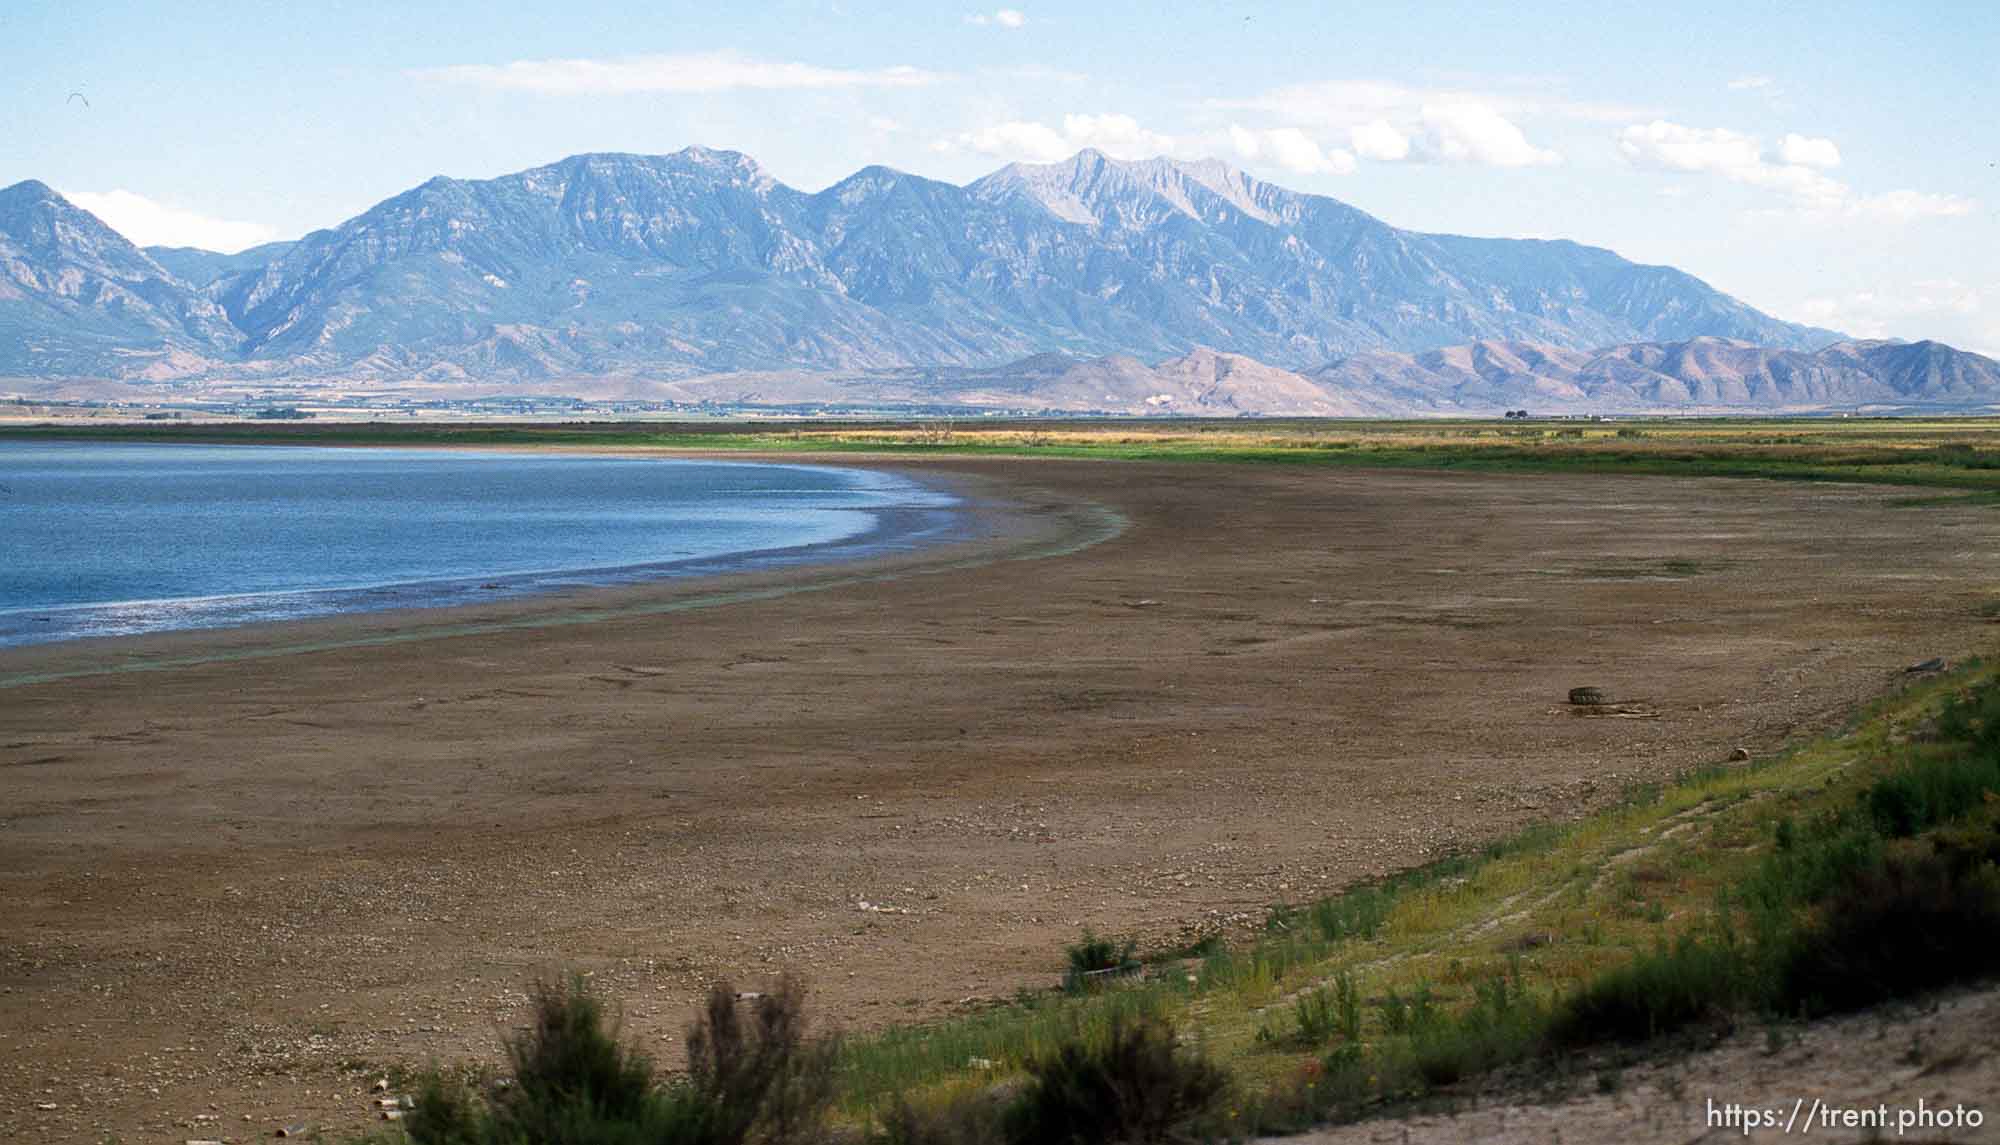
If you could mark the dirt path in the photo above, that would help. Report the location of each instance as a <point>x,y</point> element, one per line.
<point>229,882</point>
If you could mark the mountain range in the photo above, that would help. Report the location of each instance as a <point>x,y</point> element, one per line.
<point>1086,285</point>
<point>700,263</point>
<point>1700,375</point>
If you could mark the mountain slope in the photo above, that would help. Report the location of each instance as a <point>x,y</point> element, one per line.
<point>1480,379</point>
<point>699,262</point>
<point>202,268</point>
<point>1694,374</point>
<point>76,298</point>
<point>1295,279</point>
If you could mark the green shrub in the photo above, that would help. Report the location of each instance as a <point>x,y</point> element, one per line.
<point>1950,779</point>
<point>1357,914</point>
<point>1136,1086</point>
<point>1896,804</point>
<point>1659,992</point>
<point>1914,924</point>
<point>1806,864</point>
<point>447,1113</point>
<point>963,1119</point>
<point>1402,1015</point>
<point>1933,790</point>
<point>1973,718</point>
<point>575,1083</point>
<point>1327,1011</point>
<point>1963,847</point>
<point>1504,1024</point>
<point>569,1065</point>
<point>1095,959</point>
<point>764,1081</point>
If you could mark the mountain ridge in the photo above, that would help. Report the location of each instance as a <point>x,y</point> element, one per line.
<point>1696,376</point>
<point>701,262</point>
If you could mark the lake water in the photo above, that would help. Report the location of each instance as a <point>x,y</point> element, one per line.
<point>118,539</point>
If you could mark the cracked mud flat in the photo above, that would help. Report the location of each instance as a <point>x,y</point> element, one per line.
<point>235,883</point>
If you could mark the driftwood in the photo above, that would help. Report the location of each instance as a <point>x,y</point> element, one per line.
<point>1624,711</point>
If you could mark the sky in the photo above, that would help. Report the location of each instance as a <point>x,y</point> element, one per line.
<point>1830,163</point>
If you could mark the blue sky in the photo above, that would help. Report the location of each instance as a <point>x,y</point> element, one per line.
<point>1831,163</point>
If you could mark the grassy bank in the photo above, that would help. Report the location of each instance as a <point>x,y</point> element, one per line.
<point>1854,868</point>
<point>1851,869</point>
<point>1962,454</point>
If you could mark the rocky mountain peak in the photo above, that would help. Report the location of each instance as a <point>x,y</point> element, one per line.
<point>1094,189</point>
<point>699,262</point>
<point>28,191</point>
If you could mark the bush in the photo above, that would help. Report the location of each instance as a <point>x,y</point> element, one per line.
<point>1949,780</point>
<point>1504,1025</point>
<point>1326,1011</point>
<point>1095,959</point>
<point>1973,719</point>
<point>765,1082</point>
<point>447,1113</point>
<point>1136,1086</point>
<point>1357,914</point>
<point>569,1065</point>
<point>1402,1015</point>
<point>1668,989</point>
<point>965,1119</point>
<point>1932,791</point>
<point>1915,924</point>
<point>575,1083</point>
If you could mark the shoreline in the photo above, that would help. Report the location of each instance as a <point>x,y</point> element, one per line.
<point>984,524</point>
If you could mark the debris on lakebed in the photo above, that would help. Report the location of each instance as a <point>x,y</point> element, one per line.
<point>1589,701</point>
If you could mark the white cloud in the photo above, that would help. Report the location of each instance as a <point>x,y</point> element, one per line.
<point>1585,111</point>
<point>884,124</point>
<point>1678,148</point>
<point>1294,150</point>
<point>1390,122</point>
<point>1035,142</point>
<point>1291,149</point>
<point>1335,103</point>
<point>1797,174</point>
<point>1378,140</point>
<point>148,223</point>
<point>1464,131</point>
<point>1004,18</point>
<point>1345,104</point>
<point>1247,145</point>
<point>1732,155</point>
<point>1905,206</point>
<point>1808,152</point>
<point>1119,136</point>
<point>687,73</point>
<point>1948,310</point>
<point>1751,83</point>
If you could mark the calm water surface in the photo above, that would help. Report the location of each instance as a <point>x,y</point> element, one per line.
<point>115,539</point>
